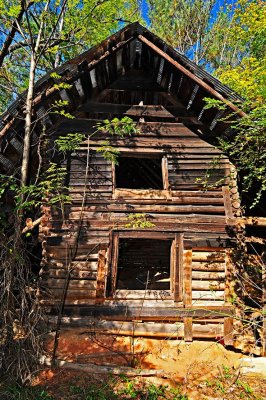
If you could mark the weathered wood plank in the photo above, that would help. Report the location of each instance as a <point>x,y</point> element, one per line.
<point>206,275</point>
<point>227,202</point>
<point>73,284</point>
<point>153,311</point>
<point>207,295</point>
<point>144,329</point>
<point>207,285</point>
<point>187,278</point>
<point>228,331</point>
<point>188,329</point>
<point>126,109</point>
<point>100,284</point>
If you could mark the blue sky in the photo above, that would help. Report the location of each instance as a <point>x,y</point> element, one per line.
<point>217,6</point>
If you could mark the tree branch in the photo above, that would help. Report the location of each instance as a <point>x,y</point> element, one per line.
<point>13,31</point>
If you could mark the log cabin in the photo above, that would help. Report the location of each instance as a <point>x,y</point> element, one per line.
<point>145,246</point>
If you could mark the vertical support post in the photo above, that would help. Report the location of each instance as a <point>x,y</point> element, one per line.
<point>228,321</point>
<point>177,261</point>
<point>228,331</point>
<point>188,329</point>
<point>113,178</point>
<point>187,291</point>
<point>165,173</point>
<point>263,309</point>
<point>100,284</point>
<point>227,202</point>
<point>187,278</point>
<point>114,261</point>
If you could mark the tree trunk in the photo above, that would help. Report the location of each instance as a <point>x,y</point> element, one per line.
<point>28,119</point>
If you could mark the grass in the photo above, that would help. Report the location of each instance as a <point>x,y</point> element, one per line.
<point>115,389</point>
<point>63,385</point>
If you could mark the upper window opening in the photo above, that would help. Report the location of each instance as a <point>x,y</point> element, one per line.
<point>139,173</point>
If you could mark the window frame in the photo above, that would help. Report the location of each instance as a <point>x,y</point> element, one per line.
<point>176,266</point>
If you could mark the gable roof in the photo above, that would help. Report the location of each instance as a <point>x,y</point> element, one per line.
<point>104,63</point>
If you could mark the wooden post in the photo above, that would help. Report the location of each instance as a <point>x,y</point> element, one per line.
<point>114,260</point>
<point>178,267</point>
<point>187,298</point>
<point>100,285</point>
<point>188,329</point>
<point>227,202</point>
<point>187,291</point>
<point>228,321</point>
<point>228,331</point>
<point>263,309</point>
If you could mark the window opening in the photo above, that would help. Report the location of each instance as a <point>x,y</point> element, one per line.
<point>144,264</point>
<point>139,173</point>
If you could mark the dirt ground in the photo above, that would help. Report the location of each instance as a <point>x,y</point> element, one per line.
<point>197,370</point>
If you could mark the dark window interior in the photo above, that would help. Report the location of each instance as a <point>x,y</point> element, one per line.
<point>144,264</point>
<point>139,173</point>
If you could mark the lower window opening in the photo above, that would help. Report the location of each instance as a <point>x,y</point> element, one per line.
<point>144,264</point>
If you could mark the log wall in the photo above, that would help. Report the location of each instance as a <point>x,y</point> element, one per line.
<point>80,245</point>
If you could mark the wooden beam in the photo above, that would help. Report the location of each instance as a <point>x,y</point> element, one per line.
<point>228,331</point>
<point>169,330</point>
<point>227,202</point>
<point>179,273</point>
<point>120,312</point>
<point>192,76</point>
<point>105,369</point>
<point>100,285</point>
<point>263,310</point>
<point>188,329</point>
<point>127,109</point>
<point>187,298</point>
<point>114,259</point>
<point>253,221</point>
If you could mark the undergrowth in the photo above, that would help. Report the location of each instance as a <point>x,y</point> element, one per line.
<point>121,388</point>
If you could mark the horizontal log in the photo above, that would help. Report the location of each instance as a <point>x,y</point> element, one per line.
<point>141,193</point>
<point>174,198</point>
<point>129,312</point>
<point>208,266</point>
<point>253,221</point>
<point>139,208</point>
<point>168,226</point>
<point>59,252</point>
<point>50,302</point>
<point>174,158</point>
<point>207,285</point>
<point>175,194</point>
<point>208,256</point>
<point>145,329</point>
<point>182,149</point>
<point>72,294</point>
<point>180,219</point>
<point>100,211</point>
<point>126,109</point>
<point>88,125</point>
<point>104,369</point>
<point>61,273</point>
<point>84,285</point>
<point>137,294</point>
<point>91,187</point>
<point>208,295</point>
<point>153,142</point>
<point>203,275</point>
<point>149,145</point>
